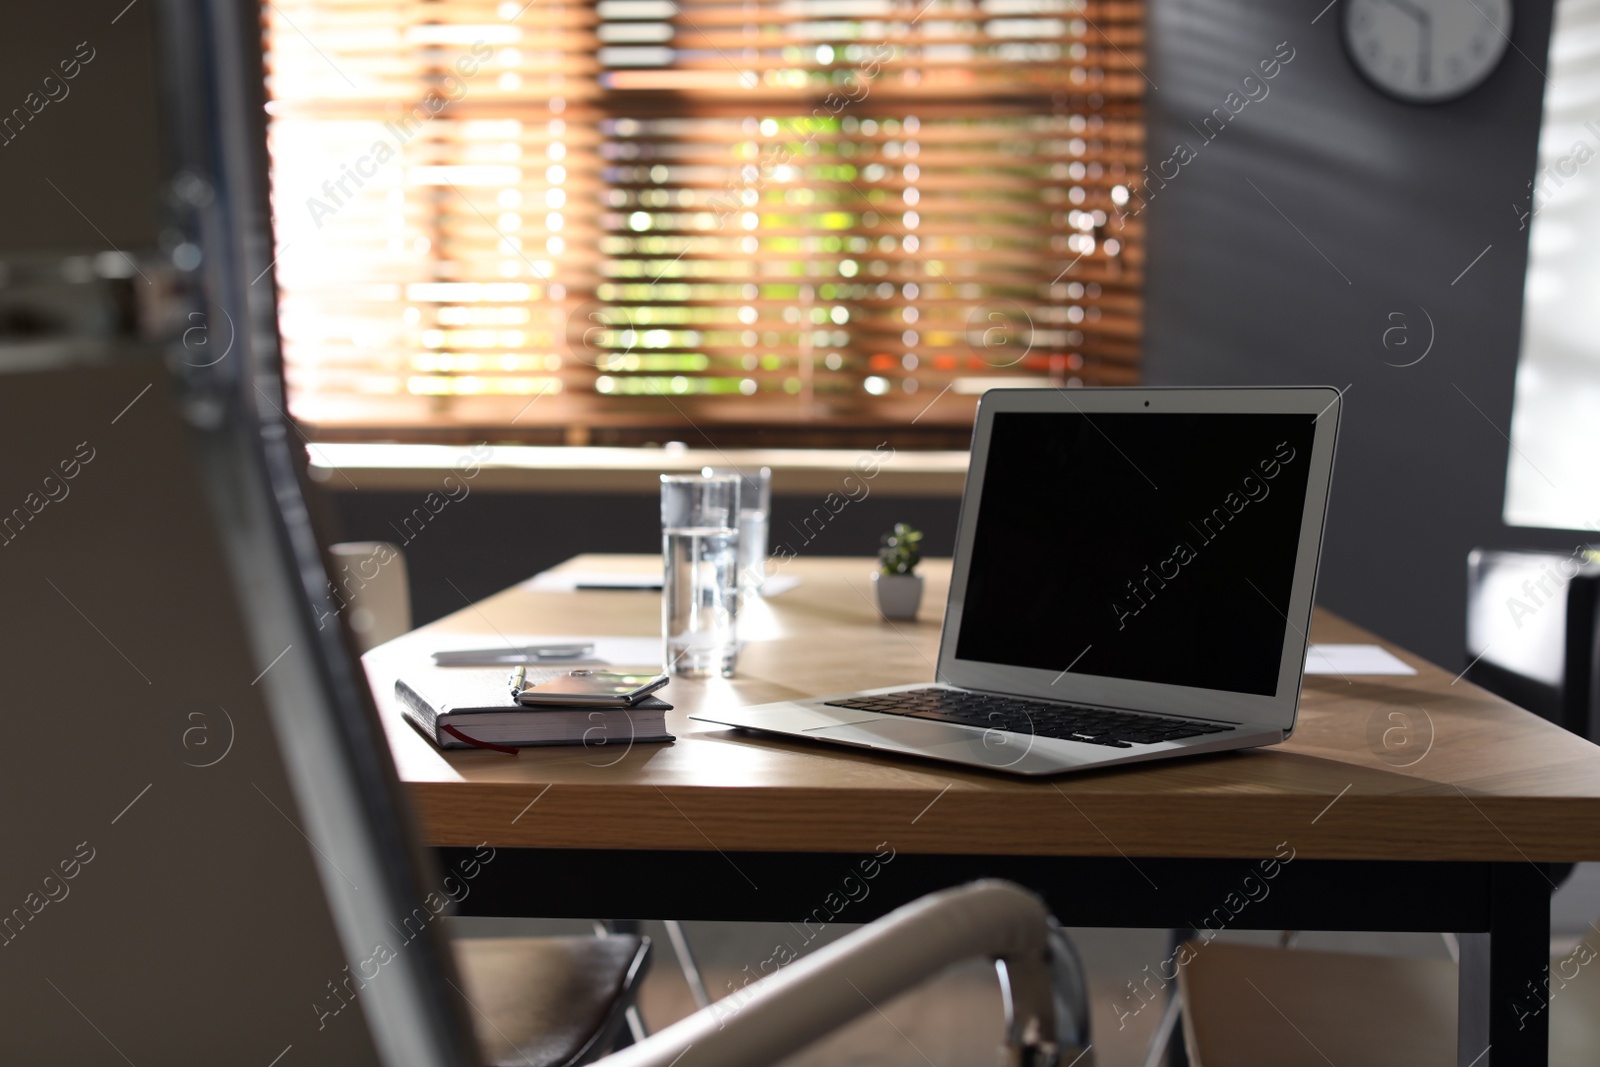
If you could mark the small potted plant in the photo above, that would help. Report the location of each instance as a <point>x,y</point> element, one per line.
<point>899,586</point>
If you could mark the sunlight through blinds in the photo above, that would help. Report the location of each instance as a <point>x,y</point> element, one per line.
<point>623,219</point>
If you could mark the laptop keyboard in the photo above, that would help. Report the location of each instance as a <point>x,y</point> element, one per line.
<point>1039,718</point>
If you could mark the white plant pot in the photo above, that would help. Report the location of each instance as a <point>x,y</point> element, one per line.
<point>899,595</point>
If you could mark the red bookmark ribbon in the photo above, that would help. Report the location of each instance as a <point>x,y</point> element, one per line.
<point>475,743</point>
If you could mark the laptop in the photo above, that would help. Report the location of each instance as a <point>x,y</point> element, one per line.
<point>1133,578</point>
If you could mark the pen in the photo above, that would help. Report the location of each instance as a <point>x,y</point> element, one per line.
<point>518,677</point>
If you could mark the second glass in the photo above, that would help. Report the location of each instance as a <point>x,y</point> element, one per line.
<point>755,504</point>
<point>700,580</point>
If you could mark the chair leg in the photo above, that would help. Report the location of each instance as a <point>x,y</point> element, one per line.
<point>686,961</point>
<point>1162,1047</point>
<point>1177,1051</point>
<point>636,1029</point>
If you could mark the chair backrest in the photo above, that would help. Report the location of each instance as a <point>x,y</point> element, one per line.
<point>370,587</point>
<point>1532,631</point>
<point>208,859</point>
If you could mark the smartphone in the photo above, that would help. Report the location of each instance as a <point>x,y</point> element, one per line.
<point>602,689</point>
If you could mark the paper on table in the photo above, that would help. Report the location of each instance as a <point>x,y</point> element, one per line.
<point>608,651</point>
<point>573,581</point>
<point>1354,659</point>
<point>567,581</point>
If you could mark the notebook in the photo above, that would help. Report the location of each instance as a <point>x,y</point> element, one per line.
<point>474,708</point>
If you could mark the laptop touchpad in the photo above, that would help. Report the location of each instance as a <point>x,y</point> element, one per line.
<point>902,733</point>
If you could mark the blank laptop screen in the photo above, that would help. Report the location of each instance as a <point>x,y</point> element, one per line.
<point>1151,547</point>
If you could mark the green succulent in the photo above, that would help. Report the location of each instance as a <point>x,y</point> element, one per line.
<point>901,551</point>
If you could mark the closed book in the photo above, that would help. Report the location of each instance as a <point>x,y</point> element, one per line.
<point>465,709</point>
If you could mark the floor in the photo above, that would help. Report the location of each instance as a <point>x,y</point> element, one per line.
<point>955,1019</point>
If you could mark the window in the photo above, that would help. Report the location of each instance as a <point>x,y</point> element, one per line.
<point>628,220</point>
<point>1550,470</point>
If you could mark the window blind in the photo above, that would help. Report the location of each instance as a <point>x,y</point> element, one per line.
<point>638,219</point>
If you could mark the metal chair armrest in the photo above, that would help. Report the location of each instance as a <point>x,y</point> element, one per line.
<point>782,1013</point>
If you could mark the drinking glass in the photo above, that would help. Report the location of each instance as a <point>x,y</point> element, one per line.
<point>700,580</point>
<point>755,506</point>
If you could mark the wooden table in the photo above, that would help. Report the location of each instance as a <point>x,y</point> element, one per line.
<point>1407,803</point>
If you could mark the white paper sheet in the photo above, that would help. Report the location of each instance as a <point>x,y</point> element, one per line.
<point>1354,659</point>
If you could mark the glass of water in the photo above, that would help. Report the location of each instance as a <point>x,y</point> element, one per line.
<point>700,586</point>
<point>755,505</point>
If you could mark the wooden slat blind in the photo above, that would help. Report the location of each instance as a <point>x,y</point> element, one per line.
<point>597,215</point>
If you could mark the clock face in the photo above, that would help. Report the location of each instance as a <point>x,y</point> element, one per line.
<point>1427,51</point>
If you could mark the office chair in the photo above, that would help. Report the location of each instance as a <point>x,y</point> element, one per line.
<point>370,579</point>
<point>1532,632</point>
<point>551,1001</point>
<point>215,584</point>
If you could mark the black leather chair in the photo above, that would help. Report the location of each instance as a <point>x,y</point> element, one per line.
<point>1531,632</point>
<point>551,1001</point>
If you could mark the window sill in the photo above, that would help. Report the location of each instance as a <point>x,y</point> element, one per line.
<point>392,467</point>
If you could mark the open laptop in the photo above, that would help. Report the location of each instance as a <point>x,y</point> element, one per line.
<point>1133,580</point>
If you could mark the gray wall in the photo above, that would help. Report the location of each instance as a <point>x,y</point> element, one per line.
<point>1379,206</point>
<point>489,541</point>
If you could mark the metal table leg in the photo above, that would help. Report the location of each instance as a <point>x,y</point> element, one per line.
<point>1504,1016</point>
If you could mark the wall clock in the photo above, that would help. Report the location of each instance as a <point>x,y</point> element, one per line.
<point>1427,51</point>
